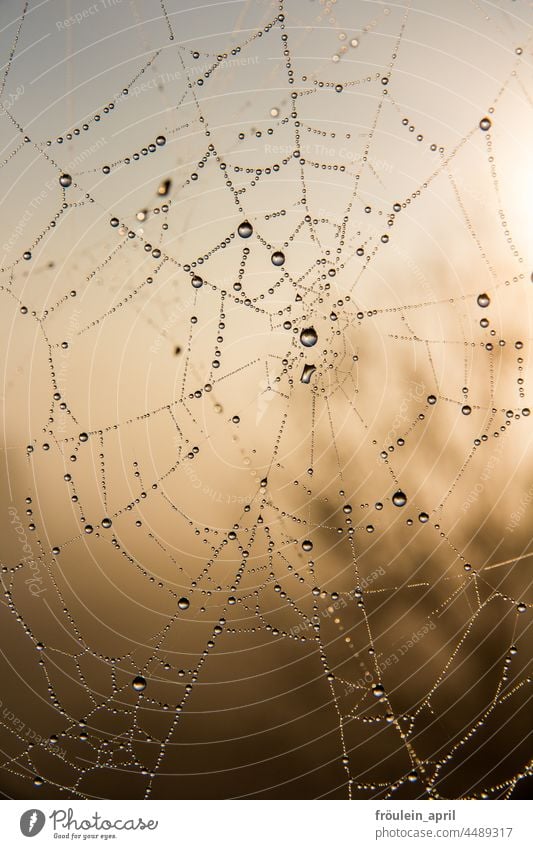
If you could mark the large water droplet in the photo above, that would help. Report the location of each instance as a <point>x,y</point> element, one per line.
<point>245,230</point>
<point>399,499</point>
<point>308,337</point>
<point>307,373</point>
<point>164,188</point>
<point>65,181</point>
<point>483,300</point>
<point>139,683</point>
<point>278,258</point>
<point>485,124</point>
<point>183,603</point>
<point>197,282</point>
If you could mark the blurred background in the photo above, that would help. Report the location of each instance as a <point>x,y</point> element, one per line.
<point>266,286</point>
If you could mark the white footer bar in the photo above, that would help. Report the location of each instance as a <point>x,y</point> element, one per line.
<point>267,824</point>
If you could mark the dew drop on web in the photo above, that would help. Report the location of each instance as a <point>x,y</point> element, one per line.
<point>399,499</point>
<point>307,373</point>
<point>308,337</point>
<point>245,230</point>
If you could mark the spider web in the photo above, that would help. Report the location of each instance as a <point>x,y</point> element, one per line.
<point>266,307</point>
